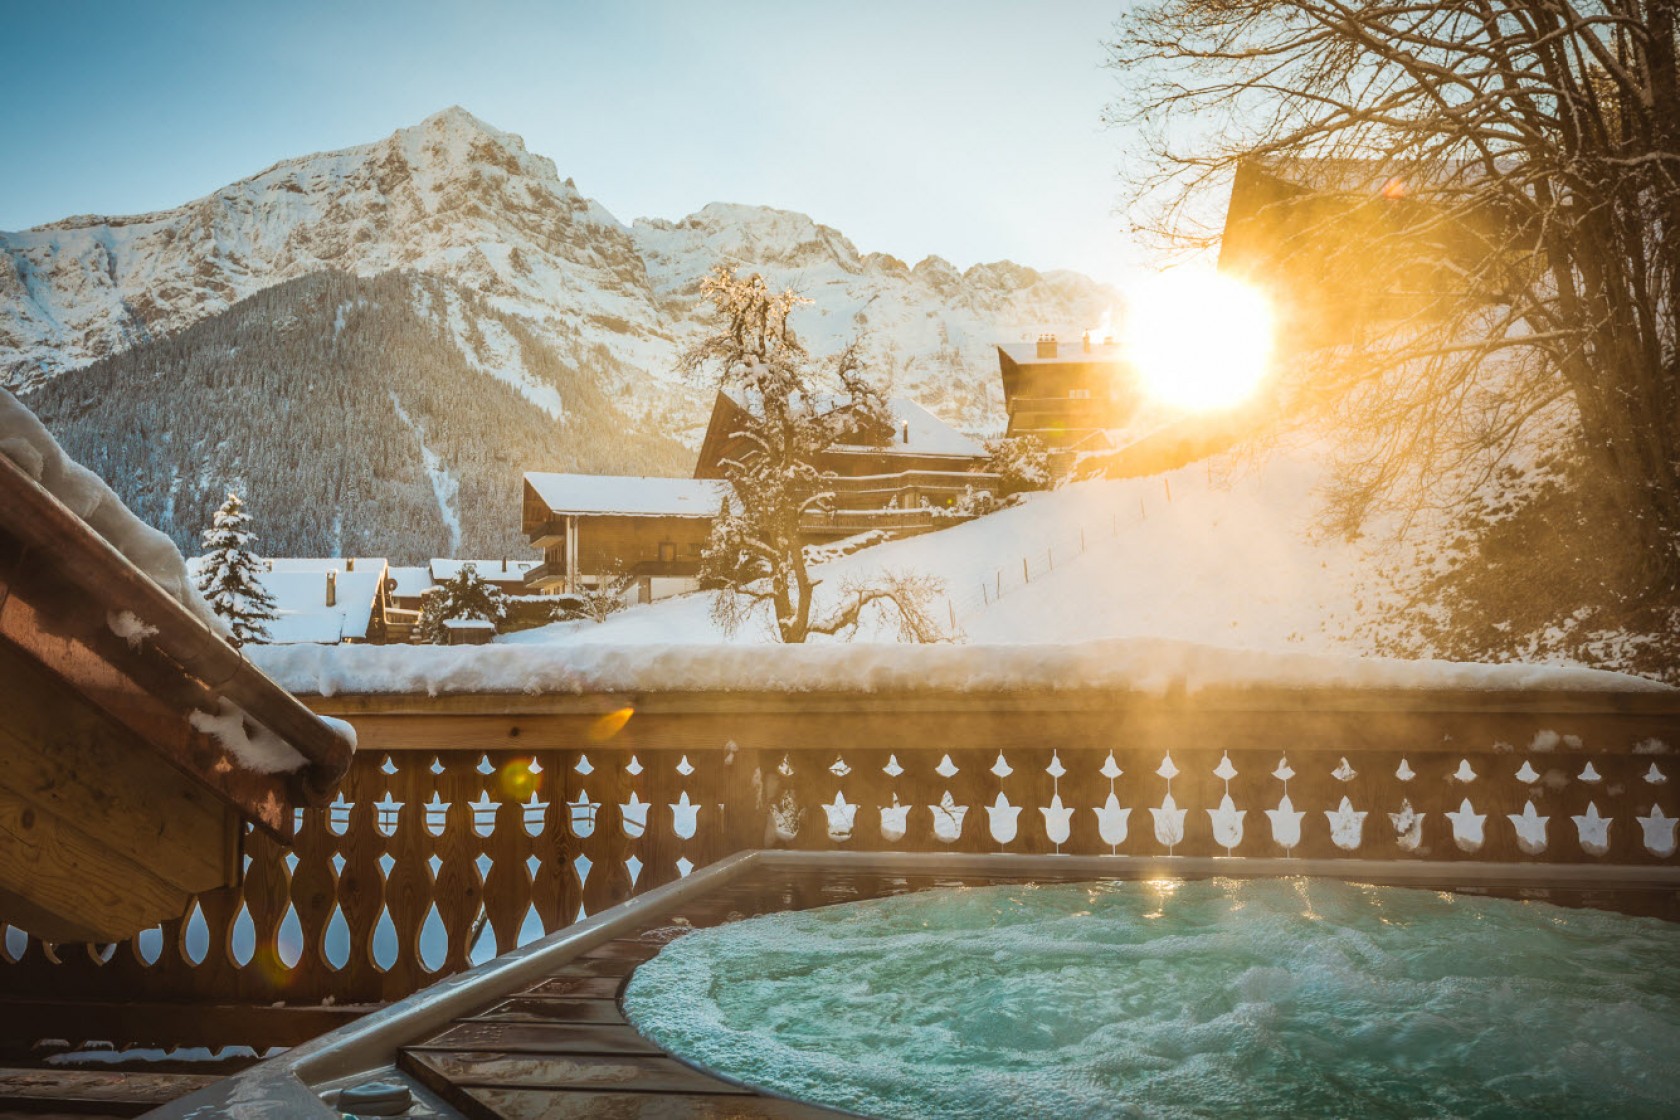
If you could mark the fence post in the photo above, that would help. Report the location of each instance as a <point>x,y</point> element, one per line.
<point>1167,482</point>
<point>985,596</point>
<point>1082,538</point>
<point>1026,572</point>
<point>952,610</point>
<point>1000,583</point>
<point>1050,558</point>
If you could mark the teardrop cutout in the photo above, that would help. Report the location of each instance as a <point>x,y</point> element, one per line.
<point>384,941</point>
<point>289,944</point>
<point>434,941</point>
<point>244,944</point>
<point>335,940</point>
<point>16,943</point>
<point>148,944</point>
<point>195,943</point>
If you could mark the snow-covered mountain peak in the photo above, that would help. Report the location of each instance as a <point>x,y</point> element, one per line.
<point>455,197</point>
<point>750,236</point>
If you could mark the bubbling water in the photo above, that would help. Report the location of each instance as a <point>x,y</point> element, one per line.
<point>1299,997</point>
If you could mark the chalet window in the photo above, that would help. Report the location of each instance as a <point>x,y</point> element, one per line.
<point>667,552</point>
<point>1080,394</point>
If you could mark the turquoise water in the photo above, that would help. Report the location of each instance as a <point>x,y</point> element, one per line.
<point>1226,998</point>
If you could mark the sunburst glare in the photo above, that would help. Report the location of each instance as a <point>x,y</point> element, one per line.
<point>1199,340</point>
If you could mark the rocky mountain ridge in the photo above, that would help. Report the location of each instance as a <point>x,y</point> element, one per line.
<point>461,200</point>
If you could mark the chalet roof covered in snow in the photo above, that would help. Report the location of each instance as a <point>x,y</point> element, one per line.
<point>627,495</point>
<point>25,441</point>
<point>495,570</point>
<point>410,582</point>
<point>1068,351</point>
<point>299,587</point>
<point>82,564</point>
<point>916,431</point>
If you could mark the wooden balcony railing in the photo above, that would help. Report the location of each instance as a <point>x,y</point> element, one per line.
<point>470,824</point>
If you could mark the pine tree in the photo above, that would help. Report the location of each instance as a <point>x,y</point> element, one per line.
<point>230,576</point>
<point>464,596</point>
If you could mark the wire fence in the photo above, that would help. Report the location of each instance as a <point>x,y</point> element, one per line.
<point>1038,562</point>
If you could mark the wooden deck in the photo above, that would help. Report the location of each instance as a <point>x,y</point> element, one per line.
<point>563,1050</point>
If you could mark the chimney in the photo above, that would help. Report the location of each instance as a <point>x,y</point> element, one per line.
<point>332,587</point>
<point>504,563</point>
<point>349,563</point>
<point>1085,343</point>
<point>1046,346</point>
<point>904,436</point>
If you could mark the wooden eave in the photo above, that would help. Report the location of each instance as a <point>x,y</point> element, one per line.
<point>60,586</point>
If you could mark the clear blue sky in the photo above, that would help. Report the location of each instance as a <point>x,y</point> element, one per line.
<point>968,129</point>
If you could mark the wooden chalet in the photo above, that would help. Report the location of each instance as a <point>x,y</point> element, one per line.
<point>920,461</point>
<point>591,527</point>
<point>1067,395</point>
<point>135,743</point>
<point>1338,245</point>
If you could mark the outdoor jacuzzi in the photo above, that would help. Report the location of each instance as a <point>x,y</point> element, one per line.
<point>952,984</point>
<point>1171,997</point>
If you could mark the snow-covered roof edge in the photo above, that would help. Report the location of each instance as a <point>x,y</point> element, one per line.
<point>25,441</point>
<point>627,495</point>
<point>1145,665</point>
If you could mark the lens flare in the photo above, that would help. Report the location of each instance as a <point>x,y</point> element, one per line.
<point>1199,340</point>
<point>610,724</point>
<point>518,780</point>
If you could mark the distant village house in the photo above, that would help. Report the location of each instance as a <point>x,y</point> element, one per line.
<point>919,462</point>
<point>593,527</point>
<point>1069,396</point>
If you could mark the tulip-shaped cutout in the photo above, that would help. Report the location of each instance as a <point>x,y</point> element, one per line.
<point>1112,821</point>
<point>1347,826</point>
<point>1058,819</point>
<point>1467,826</point>
<point>1531,829</point>
<point>1003,819</point>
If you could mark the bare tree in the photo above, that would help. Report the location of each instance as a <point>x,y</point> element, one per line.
<point>1509,172</point>
<point>756,555</point>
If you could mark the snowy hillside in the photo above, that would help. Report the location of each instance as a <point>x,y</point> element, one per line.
<point>456,198</point>
<point>1228,561</point>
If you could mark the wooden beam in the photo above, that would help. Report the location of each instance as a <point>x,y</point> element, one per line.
<point>1338,721</point>
<point>81,889</point>
<point>95,1092</point>
<point>104,582</point>
<point>64,757</point>
<point>23,1021</point>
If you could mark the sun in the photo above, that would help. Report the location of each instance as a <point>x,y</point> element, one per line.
<point>1199,340</point>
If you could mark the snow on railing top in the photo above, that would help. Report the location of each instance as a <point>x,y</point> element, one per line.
<point>1146,665</point>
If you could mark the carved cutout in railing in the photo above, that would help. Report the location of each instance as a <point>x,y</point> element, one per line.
<point>426,862</point>
<point>422,865</point>
<point>1503,806</point>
